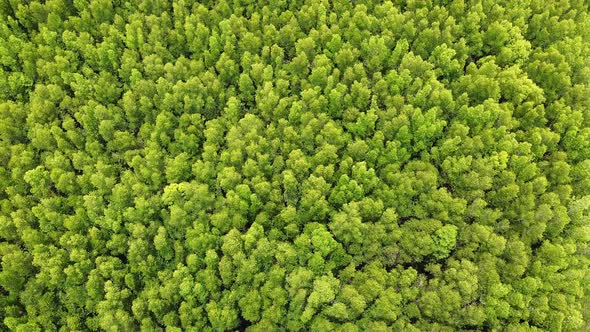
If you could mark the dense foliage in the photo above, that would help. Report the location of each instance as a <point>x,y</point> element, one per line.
<point>302,165</point>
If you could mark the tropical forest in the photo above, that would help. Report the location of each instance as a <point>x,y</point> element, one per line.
<point>294,165</point>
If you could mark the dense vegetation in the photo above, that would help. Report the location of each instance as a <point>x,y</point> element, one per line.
<point>295,165</point>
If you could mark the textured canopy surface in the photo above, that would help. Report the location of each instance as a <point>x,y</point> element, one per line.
<point>316,165</point>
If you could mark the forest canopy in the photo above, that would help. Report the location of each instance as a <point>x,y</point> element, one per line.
<point>305,165</point>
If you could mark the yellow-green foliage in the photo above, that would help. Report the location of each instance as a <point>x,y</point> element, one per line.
<point>272,165</point>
